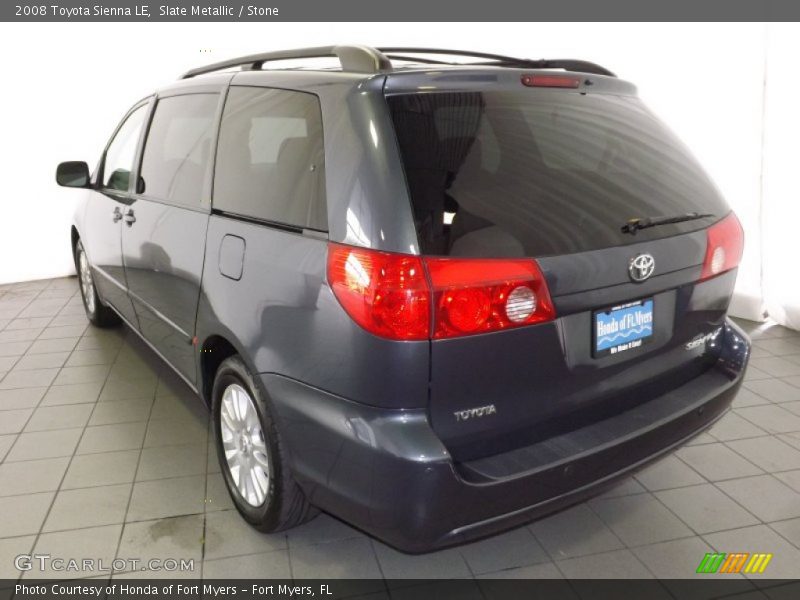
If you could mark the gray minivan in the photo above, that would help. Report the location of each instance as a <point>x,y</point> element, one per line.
<point>434,293</point>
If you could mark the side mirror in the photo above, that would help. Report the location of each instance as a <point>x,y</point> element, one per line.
<point>73,174</point>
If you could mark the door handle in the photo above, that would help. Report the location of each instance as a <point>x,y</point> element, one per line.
<point>129,217</point>
<point>117,215</point>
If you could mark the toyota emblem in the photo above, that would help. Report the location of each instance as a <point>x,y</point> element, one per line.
<point>641,267</point>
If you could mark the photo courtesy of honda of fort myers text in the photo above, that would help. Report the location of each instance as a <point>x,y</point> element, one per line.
<point>341,299</point>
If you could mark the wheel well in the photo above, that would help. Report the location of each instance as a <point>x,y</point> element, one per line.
<point>75,237</point>
<point>214,350</point>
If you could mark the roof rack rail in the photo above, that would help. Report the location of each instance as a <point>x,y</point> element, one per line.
<point>567,64</point>
<point>360,59</point>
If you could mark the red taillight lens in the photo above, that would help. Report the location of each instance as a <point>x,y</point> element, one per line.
<point>482,295</point>
<point>725,242</point>
<point>387,294</point>
<point>557,81</point>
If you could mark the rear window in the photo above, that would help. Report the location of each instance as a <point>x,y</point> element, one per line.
<point>542,172</point>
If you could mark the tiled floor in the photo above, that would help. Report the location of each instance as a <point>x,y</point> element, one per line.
<point>106,454</point>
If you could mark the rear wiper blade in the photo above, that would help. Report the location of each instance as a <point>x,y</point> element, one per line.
<point>634,225</point>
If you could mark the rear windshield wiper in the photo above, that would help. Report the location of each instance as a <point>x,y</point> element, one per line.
<point>634,225</point>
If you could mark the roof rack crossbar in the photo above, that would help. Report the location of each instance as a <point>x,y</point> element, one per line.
<point>567,64</point>
<point>360,59</point>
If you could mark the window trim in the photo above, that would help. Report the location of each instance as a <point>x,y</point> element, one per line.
<point>290,227</point>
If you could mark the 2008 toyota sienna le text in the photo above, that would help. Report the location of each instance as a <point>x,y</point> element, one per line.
<point>434,299</point>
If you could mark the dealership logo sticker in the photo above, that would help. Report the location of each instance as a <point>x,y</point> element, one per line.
<point>735,562</point>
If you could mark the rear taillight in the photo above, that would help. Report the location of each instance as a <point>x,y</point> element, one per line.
<point>481,295</point>
<point>725,242</point>
<point>387,294</point>
<point>391,295</point>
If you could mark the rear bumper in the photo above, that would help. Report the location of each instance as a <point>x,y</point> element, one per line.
<point>386,472</point>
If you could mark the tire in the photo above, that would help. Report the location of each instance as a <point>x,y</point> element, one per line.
<point>97,312</point>
<point>246,432</point>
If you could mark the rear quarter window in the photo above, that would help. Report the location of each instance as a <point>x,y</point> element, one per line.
<point>271,158</point>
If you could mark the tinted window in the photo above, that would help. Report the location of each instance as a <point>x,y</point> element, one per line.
<point>271,159</point>
<point>177,153</point>
<point>122,151</point>
<point>541,172</point>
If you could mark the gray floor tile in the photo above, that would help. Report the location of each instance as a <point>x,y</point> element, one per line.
<point>272,565</point>
<point>734,427</point>
<point>167,498</point>
<point>172,461</point>
<point>676,559</point>
<point>790,478</point>
<point>81,393</point>
<point>779,346</point>
<point>793,439</point>
<point>626,487</point>
<point>10,548</point>
<point>8,362</point>
<point>44,444</point>
<point>575,532</point>
<point>540,571</point>
<point>639,519</point>
<point>717,462</point>
<point>42,361</point>
<point>110,344</point>
<point>107,468</point>
<point>775,390</point>
<point>32,476</point>
<point>62,331</point>
<point>705,508</point>
<point>6,441</point>
<point>124,411</point>
<point>619,564</point>
<point>88,507</point>
<point>764,496</point>
<point>29,323</point>
<point>773,418</point>
<point>217,495</point>
<point>669,472</point>
<point>49,346</point>
<point>792,407</point>
<point>745,397</point>
<point>84,358</point>
<point>172,433</point>
<point>13,421</point>
<point>46,418</point>
<point>115,390</point>
<point>99,543</point>
<point>228,534</point>
<point>794,381</point>
<point>19,335</point>
<point>323,528</point>
<point>178,538</point>
<point>445,564</point>
<point>28,378</point>
<point>776,366</point>
<point>23,515</point>
<point>753,373</point>
<point>788,529</point>
<point>769,453</point>
<point>516,548</point>
<point>87,374</point>
<point>14,348</point>
<point>760,538</point>
<point>110,438</point>
<point>180,408</point>
<point>343,559</point>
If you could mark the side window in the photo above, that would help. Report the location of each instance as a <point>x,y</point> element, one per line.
<point>271,158</point>
<point>177,153</point>
<point>122,151</point>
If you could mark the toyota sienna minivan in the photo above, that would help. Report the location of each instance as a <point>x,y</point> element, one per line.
<point>434,293</point>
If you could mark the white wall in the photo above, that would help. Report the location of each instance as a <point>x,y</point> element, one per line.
<point>68,84</point>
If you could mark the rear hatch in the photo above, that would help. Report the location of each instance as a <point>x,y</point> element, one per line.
<point>499,169</point>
